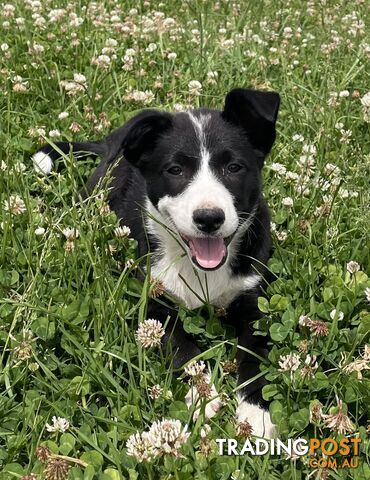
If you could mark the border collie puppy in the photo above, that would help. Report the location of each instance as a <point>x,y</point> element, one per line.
<point>189,187</point>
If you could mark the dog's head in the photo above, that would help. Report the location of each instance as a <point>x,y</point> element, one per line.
<point>202,168</point>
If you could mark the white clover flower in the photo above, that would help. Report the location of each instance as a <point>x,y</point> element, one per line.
<point>70,233</point>
<point>345,136</point>
<point>288,32</point>
<point>79,78</point>
<point>333,99</point>
<point>169,23</point>
<point>129,263</point>
<point>146,97</point>
<point>15,205</point>
<point>75,21</point>
<point>281,235</point>
<point>19,167</point>
<point>40,131</point>
<point>178,107</point>
<point>75,127</point>
<point>111,42</point>
<point>195,369</point>
<point>56,14</point>
<point>213,75</point>
<point>54,133</point>
<point>333,314</point>
<point>292,176</point>
<point>77,85</point>
<point>116,19</point>
<point>310,366</point>
<point>195,87</point>
<point>304,321</point>
<point>131,52</point>
<point>60,424</point>
<point>339,422</point>
<point>155,391</point>
<point>205,431</point>
<point>358,365</point>
<point>287,202</point>
<point>72,88</point>
<point>39,231</point>
<point>227,43</point>
<point>353,267</point>
<point>289,363</point>
<point>122,232</point>
<point>298,138</point>
<point>20,86</point>
<point>164,437</point>
<point>63,115</point>
<point>139,446</point>
<point>150,333</point>
<point>278,168</point>
<point>365,102</point>
<point>102,61</point>
<point>4,47</point>
<point>172,56</point>
<point>167,437</point>
<point>343,94</point>
<point>201,389</point>
<point>36,48</point>
<point>151,47</point>
<point>8,10</point>
<point>366,353</point>
<point>309,149</point>
<point>331,169</point>
<point>311,361</point>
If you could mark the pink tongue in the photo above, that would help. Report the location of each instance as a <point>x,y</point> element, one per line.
<point>209,252</point>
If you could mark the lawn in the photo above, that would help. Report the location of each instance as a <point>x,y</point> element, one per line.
<point>70,299</point>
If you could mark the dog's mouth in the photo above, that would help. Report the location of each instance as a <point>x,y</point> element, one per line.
<point>208,253</point>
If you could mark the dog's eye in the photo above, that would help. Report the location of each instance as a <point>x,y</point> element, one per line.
<point>175,170</point>
<point>233,168</point>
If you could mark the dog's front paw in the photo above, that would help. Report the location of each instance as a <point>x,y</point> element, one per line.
<point>213,404</point>
<point>258,418</point>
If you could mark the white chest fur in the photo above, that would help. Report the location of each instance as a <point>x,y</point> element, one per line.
<point>194,288</point>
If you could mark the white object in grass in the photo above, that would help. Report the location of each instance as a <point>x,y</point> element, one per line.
<point>42,163</point>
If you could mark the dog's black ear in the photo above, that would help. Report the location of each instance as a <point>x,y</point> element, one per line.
<point>142,133</point>
<point>256,113</point>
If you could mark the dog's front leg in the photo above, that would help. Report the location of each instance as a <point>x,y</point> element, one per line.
<point>180,349</point>
<point>252,350</point>
<point>177,344</point>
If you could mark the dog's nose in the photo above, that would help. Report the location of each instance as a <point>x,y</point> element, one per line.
<point>208,220</point>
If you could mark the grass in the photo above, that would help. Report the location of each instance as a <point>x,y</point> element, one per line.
<point>69,310</point>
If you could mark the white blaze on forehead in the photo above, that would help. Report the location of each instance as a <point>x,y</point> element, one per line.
<point>204,191</point>
<point>200,124</point>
